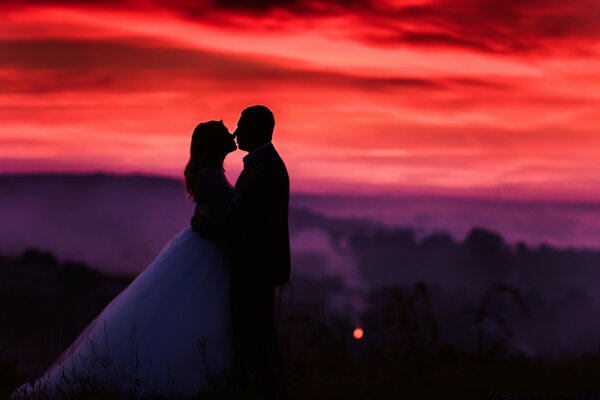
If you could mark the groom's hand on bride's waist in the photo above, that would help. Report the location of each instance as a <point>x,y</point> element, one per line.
<point>208,228</point>
<point>199,224</point>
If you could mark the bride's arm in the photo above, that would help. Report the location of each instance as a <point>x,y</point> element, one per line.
<point>209,228</point>
<point>214,193</point>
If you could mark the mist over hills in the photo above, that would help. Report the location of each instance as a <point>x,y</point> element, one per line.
<point>537,221</point>
<point>117,224</point>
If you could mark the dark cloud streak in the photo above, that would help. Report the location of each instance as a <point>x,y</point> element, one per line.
<point>499,26</point>
<point>113,65</point>
<point>496,26</point>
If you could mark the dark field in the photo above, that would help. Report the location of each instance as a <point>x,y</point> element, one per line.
<point>406,351</point>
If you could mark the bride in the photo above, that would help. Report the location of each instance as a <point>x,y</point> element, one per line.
<point>168,333</point>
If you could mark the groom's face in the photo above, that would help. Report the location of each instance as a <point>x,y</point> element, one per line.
<point>243,134</point>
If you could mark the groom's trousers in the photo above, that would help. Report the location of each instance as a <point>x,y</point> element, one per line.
<point>257,369</point>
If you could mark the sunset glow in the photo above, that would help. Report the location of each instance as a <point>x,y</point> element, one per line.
<point>493,98</point>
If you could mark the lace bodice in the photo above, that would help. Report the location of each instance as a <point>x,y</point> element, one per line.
<point>212,193</point>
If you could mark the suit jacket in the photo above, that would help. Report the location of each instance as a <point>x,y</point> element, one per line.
<point>258,237</point>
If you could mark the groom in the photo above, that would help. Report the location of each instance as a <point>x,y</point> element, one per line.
<point>257,240</point>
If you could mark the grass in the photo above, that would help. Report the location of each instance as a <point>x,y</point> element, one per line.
<point>462,377</point>
<point>93,374</point>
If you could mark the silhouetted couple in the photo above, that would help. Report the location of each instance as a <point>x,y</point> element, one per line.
<point>254,230</point>
<point>199,319</point>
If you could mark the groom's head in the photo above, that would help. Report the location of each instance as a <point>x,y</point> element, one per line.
<point>254,128</point>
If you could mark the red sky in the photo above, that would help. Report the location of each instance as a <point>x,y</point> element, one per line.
<point>496,98</point>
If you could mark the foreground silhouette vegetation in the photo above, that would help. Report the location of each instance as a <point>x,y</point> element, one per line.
<point>405,351</point>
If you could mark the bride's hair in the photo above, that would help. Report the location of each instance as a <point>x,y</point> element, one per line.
<point>205,151</point>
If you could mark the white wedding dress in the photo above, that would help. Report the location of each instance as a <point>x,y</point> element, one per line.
<point>168,332</point>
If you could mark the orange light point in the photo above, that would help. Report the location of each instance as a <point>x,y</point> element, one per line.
<point>358,333</point>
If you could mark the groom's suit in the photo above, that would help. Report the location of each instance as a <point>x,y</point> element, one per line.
<point>258,221</point>
<point>259,249</point>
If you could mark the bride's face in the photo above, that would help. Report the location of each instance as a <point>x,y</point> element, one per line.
<point>228,141</point>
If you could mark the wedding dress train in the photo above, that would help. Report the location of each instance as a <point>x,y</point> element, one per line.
<point>167,333</point>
